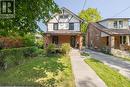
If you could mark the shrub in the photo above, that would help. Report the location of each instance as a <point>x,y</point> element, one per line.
<point>51,48</point>
<point>15,56</point>
<point>40,44</point>
<point>29,40</point>
<point>65,48</point>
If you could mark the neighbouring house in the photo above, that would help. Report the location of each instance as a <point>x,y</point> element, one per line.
<point>64,27</point>
<point>109,34</point>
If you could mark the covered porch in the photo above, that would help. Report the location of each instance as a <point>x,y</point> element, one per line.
<point>121,42</point>
<point>73,38</point>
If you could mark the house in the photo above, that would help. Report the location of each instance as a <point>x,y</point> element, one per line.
<point>64,27</point>
<point>108,34</point>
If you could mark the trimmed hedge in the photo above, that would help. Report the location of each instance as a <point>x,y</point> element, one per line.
<point>15,56</point>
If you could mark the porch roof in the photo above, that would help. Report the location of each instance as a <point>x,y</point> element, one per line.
<point>111,31</point>
<point>63,32</point>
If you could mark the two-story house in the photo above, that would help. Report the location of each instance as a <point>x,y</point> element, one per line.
<point>64,27</point>
<point>109,33</point>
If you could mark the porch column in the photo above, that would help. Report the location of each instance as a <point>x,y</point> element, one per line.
<point>112,41</point>
<point>128,39</point>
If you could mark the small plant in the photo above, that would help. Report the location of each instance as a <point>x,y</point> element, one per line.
<point>51,49</point>
<point>65,48</point>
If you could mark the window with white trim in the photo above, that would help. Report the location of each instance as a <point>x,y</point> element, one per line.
<point>122,39</point>
<point>115,24</point>
<point>120,24</point>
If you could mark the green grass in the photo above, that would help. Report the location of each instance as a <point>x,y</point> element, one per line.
<point>125,58</point>
<point>53,71</point>
<point>110,76</point>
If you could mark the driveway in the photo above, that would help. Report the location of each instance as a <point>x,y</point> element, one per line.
<point>116,63</point>
<point>83,74</point>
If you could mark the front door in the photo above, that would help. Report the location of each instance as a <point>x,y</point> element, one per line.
<point>73,41</point>
<point>55,39</point>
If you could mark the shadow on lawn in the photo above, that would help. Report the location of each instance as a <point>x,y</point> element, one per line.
<point>47,72</point>
<point>43,72</point>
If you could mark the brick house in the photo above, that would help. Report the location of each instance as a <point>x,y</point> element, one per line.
<point>64,27</point>
<point>108,34</point>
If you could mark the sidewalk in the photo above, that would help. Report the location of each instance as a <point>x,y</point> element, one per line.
<point>84,75</point>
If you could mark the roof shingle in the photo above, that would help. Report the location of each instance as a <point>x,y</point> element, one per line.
<point>112,31</point>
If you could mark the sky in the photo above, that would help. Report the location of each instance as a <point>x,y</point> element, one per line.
<point>107,8</point>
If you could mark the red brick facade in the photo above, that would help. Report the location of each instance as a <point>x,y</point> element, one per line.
<point>65,39</point>
<point>94,39</point>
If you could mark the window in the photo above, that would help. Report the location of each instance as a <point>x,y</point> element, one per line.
<point>55,39</point>
<point>64,16</point>
<point>55,26</point>
<point>120,24</point>
<point>71,26</point>
<point>107,43</point>
<point>122,39</point>
<point>115,24</point>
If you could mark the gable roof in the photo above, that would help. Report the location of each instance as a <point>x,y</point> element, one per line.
<point>70,12</point>
<point>76,16</point>
<point>111,31</point>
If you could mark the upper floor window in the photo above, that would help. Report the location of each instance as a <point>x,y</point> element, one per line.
<point>120,24</point>
<point>64,16</point>
<point>71,26</point>
<point>115,24</point>
<point>55,26</point>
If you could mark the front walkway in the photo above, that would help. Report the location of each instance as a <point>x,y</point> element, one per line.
<point>84,75</point>
<point>119,64</point>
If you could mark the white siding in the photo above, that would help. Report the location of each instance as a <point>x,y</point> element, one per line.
<point>63,26</point>
<point>64,23</point>
<point>77,26</point>
<point>104,23</point>
<point>50,27</point>
<point>125,24</point>
<point>54,20</point>
<point>109,24</point>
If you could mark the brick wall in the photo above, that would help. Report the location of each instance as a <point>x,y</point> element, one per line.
<point>94,39</point>
<point>64,39</point>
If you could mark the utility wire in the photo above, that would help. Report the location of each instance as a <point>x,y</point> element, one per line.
<point>121,11</point>
<point>84,4</point>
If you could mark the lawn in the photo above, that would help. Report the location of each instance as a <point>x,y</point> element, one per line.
<point>110,76</point>
<point>53,71</point>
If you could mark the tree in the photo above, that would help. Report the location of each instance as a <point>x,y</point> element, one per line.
<point>89,15</point>
<point>27,13</point>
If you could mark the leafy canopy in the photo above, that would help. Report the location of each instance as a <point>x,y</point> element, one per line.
<point>89,15</point>
<point>27,13</point>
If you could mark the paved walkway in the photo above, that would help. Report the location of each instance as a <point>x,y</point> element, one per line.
<point>84,75</point>
<point>120,65</point>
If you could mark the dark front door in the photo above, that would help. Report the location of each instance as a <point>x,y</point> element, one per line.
<point>73,41</point>
<point>55,39</point>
